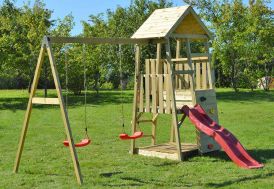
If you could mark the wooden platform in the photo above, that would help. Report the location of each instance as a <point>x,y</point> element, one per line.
<point>168,150</point>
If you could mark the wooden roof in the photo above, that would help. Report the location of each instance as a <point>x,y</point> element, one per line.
<point>179,20</point>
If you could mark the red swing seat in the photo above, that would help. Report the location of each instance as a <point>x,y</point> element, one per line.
<point>136,135</point>
<point>82,143</point>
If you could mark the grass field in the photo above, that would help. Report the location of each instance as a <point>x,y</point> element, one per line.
<point>107,164</point>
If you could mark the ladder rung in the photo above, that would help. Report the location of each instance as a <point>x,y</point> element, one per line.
<point>184,72</point>
<point>184,60</point>
<point>38,100</point>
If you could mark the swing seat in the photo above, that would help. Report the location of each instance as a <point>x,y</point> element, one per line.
<point>136,135</point>
<point>84,142</point>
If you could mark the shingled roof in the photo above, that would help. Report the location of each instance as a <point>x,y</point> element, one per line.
<point>163,22</point>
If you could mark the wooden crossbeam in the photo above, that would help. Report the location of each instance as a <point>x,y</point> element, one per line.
<point>97,41</point>
<point>38,100</point>
<point>185,60</point>
<point>189,36</point>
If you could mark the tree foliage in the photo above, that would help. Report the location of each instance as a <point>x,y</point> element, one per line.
<point>242,47</point>
<point>243,43</point>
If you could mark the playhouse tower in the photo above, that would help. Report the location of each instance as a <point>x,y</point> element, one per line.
<point>175,77</point>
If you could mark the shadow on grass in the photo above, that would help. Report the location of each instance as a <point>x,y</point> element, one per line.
<point>249,96</point>
<point>103,98</point>
<point>261,155</point>
<point>166,164</point>
<point>239,180</point>
<point>140,182</point>
<point>110,174</point>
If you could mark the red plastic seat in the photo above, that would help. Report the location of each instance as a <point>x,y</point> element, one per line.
<point>84,142</point>
<point>136,135</point>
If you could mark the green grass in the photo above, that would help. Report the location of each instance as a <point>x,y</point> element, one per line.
<point>107,164</point>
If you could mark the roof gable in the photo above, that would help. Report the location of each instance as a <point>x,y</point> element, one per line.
<point>162,22</point>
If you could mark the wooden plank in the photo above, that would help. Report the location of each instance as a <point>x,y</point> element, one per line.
<point>135,98</point>
<point>190,65</point>
<point>172,92</point>
<point>160,78</point>
<point>178,55</point>
<point>153,86</point>
<point>167,150</point>
<point>190,36</point>
<point>198,75</point>
<point>186,77</point>
<point>53,101</point>
<point>204,78</point>
<point>167,86</point>
<point>185,60</point>
<point>97,41</point>
<point>181,77</point>
<point>29,108</point>
<point>141,97</point>
<point>64,114</point>
<point>147,87</point>
<point>209,74</point>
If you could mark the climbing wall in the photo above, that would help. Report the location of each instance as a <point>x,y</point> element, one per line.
<point>207,99</point>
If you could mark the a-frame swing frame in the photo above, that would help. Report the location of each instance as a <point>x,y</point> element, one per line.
<point>46,47</point>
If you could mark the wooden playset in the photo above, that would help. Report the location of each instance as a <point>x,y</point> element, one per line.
<point>164,86</point>
<point>168,83</point>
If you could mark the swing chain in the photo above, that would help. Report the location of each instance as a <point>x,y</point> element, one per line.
<point>121,83</point>
<point>85,88</point>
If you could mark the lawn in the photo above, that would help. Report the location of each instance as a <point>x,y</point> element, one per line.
<point>106,163</point>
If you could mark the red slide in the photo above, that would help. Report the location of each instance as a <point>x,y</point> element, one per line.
<point>223,137</point>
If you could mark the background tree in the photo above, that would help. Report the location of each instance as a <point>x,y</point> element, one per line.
<point>243,43</point>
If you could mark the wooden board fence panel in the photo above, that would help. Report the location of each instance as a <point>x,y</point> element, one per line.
<point>153,85</point>
<point>198,75</point>
<point>141,95</point>
<point>147,90</point>
<point>204,77</point>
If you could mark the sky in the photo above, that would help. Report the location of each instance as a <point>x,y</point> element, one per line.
<point>81,9</point>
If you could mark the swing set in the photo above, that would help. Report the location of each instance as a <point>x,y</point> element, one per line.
<point>86,141</point>
<point>165,86</point>
<point>46,47</point>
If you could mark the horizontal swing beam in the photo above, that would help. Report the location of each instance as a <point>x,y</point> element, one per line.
<point>98,41</point>
<point>38,100</point>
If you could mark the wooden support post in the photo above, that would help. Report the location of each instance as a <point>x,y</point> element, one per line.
<point>153,130</point>
<point>47,47</point>
<point>178,55</point>
<point>160,78</point>
<point>64,114</point>
<point>173,103</point>
<point>190,65</point>
<point>209,66</point>
<point>135,99</point>
<point>29,108</point>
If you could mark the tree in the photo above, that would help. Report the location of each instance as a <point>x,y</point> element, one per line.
<point>243,44</point>
<point>123,22</point>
